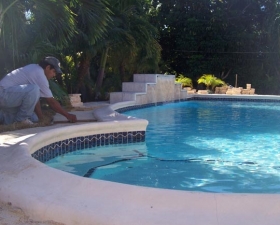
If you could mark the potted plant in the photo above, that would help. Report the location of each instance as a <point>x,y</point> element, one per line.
<point>210,81</point>
<point>185,81</point>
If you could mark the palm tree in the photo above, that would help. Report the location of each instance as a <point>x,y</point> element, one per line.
<point>131,41</point>
<point>87,38</point>
<point>33,28</point>
<point>6,7</point>
<point>210,81</point>
<point>12,21</point>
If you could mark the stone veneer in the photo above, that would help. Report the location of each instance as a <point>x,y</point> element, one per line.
<point>149,88</point>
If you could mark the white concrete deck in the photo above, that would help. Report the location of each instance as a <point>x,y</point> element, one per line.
<point>45,193</point>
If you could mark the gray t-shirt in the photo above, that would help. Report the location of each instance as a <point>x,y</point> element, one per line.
<point>30,74</point>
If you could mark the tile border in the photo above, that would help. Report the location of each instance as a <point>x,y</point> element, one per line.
<point>55,149</point>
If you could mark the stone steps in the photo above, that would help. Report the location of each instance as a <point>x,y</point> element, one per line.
<point>149,88</point>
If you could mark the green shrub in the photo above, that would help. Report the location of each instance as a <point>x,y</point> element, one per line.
<point>185,81</point>
<point>210,81</point>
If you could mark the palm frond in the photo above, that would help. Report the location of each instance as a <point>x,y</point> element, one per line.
<point>93,18</point>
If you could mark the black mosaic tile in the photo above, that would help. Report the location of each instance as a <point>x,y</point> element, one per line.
<point>235,99</point>
<point>53,150</point>
<point>197,99</point>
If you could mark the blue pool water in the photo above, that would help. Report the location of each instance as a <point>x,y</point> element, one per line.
<point>210,146</point>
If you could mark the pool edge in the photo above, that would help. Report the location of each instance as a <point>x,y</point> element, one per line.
<point>79,200</point>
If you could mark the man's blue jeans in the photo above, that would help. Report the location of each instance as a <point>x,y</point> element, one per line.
<point>17,103</point>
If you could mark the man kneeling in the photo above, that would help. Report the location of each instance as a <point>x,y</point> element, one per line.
<point>21,89</point>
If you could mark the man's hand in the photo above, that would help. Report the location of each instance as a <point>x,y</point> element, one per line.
<point>71,118</point>
<point>54,104</point>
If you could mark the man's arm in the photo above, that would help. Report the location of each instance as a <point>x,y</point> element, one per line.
<point>54,104</point>
<point>38,110</point>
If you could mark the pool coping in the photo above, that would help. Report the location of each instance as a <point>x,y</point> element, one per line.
<point>28,184</point>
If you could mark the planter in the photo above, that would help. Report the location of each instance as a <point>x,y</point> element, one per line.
<point>75,100</point>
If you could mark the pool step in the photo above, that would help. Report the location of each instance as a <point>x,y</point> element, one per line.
<point>149,88</point>
<point>134,87</point>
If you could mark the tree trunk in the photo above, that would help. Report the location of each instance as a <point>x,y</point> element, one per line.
<point>83,71</point>
<point>101,72</point>
<point>122,71</point>
<point>3,11</point>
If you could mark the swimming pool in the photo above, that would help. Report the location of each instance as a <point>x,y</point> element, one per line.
<point>210,146</point>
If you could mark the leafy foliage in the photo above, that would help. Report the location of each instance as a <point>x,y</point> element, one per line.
<point>131,44</point>
<point>221,37</point>
<point>108,40</point>
<point>210,81</point>
<point>185,81</point>
<point>39,28</point>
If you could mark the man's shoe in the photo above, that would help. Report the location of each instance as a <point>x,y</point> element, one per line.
<point>27,122</point>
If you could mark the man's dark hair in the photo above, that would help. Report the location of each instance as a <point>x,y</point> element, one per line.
<point>53,62</point>
<point>43,63</point>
